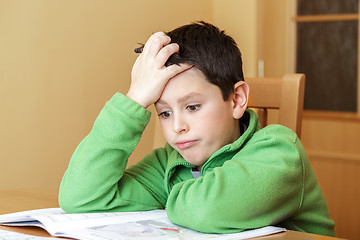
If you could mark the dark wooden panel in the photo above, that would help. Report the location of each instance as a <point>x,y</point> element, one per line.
<point>327,54</point>
<point>312,7</point>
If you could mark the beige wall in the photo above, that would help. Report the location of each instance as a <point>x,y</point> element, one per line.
<point>60,61</point>
<point>240,20</point>
<point>272,33</point>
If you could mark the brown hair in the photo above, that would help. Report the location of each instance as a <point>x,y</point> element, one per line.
<point>211,51</point>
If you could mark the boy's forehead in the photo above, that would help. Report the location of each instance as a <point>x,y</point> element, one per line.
<point>192,71</point>
<point>187,97</point>
<point>190,84</point>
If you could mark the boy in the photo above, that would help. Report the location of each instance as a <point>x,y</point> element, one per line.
<point>219,172</point>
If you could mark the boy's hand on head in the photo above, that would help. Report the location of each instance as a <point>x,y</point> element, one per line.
<point>149,75</point>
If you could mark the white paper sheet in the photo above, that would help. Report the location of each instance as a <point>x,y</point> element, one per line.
<point>147,225</point>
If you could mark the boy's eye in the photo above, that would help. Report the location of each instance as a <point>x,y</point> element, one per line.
<point>193,108</point>
<point>165,114</point>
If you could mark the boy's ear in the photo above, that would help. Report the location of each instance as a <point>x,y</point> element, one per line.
<point>240,99</point>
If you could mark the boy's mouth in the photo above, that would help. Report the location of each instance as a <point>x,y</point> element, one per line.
<point>186,144</point>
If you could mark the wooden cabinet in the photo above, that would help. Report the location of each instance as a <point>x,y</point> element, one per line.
<point>332,141</point>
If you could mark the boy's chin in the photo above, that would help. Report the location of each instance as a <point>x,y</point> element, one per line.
<point>194,161</point>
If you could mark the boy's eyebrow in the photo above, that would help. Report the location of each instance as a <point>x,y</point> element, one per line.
<point>188,96</point>
<point>182,99</point>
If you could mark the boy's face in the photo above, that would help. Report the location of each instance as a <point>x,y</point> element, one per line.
<point>195,119</point>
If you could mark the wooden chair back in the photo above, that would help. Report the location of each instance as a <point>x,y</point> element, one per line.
<point>285,94</point>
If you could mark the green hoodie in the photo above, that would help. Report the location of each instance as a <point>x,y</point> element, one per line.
<point>263,178</point>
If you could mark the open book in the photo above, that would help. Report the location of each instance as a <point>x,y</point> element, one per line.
<point>145,225</point>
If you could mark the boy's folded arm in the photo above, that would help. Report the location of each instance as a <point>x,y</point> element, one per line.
<point>93,181</point>
<point>262,185</point>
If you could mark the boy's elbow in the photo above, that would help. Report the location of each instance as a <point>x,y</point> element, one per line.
<point>69,202</point>
<point>71,206</point>
<point>66,203</point>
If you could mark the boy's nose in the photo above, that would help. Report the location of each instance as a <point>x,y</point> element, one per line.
<point>180,125</point>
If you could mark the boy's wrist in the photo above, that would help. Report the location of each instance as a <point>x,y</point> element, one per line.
<point>138,100</point>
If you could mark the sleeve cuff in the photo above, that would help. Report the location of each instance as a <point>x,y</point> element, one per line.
<point>129,107</point>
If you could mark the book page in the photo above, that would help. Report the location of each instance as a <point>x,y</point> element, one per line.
<point>8,235</point>
<point>146,225</point>
<point>161,229</point>
<point>27,215</point>
<point>60,223</point>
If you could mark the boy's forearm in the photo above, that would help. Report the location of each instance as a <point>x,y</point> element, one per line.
<point>248,191</point>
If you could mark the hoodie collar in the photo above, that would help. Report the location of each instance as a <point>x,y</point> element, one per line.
<point>251,120</point>
<point>219,157</point>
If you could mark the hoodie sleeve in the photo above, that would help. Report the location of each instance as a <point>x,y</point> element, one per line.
<point>261,185</point>
<point>96,179</point>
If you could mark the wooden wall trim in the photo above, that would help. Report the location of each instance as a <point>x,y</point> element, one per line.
<point>326,17</point>
<point>322,155</point>
<point>331,115</point>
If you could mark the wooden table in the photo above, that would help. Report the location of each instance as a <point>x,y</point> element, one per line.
<point>28,199</point>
